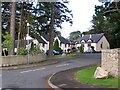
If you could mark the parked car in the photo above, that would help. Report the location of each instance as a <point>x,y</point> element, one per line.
<point>54,52</point>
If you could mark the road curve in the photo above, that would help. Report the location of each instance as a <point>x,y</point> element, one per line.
<point>36,77</point>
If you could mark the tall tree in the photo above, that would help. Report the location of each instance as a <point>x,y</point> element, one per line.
<point>106,20</point>
<point>51,30</point>
<point>44,17</point>
<point>12,24</point>
<point>75,35</point>
<point>52,15</point>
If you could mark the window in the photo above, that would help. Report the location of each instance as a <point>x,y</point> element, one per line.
<point>82,44</point>
<point>65,45</point>
<point>60,44</point>
<point>43,45</point>
<point>101,45</point>
<point>89,44</point>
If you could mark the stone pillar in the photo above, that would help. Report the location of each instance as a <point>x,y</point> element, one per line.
<point>111,61</point>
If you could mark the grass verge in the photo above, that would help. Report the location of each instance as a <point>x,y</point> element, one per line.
<point>87,76</point>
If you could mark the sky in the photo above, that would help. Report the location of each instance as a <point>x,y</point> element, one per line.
<point>83,11</point>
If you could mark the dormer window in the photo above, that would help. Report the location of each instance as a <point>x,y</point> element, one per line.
<point>83,41</point>
<point>89,41</point>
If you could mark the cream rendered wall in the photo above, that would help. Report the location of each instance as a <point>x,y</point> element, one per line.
<point>46,47</point>
<point>106,44</point>
<point>85,47</point>
<point>78,45</point>
<point>94,45</point>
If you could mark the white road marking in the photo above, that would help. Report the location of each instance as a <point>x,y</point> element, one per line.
<point>61,85</point>
<point>32,70</point>
<point>62,65</point>
<point>26,71</point>
<point>39,69</point>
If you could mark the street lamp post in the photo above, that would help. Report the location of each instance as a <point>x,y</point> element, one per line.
<point>28,57</point>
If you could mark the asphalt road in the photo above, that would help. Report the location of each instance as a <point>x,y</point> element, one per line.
<point>36,77</point>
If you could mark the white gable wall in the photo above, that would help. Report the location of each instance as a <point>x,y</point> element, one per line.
<point>62,46</point>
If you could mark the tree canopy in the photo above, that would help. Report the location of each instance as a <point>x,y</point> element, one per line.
<point>43,17</point>
<point>75,35</point>
<point>107,20</point>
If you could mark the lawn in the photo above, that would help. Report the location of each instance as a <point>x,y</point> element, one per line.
<point>87,76</point>
<point>72,54</point>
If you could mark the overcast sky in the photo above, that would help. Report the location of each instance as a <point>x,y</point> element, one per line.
<point>83,11</point>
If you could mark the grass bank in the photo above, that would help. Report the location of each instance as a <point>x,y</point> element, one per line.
<point>87,76</point>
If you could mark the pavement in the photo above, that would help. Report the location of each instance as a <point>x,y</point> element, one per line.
<point>66,80</point>
<point>47,61</point>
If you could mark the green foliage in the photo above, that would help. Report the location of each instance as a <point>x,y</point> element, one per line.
<point>75,35</point>
<point>106,20</point>
<point>22,51</point>
<point>34,49</point>
<point>56,46</point>
<point>42,16</point>
<point>87,76</point>
<point>8,42</point>
<point>81,49</point>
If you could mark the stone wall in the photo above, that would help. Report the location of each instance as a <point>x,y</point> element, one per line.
<point>111,61</point>
<point>16,60</point>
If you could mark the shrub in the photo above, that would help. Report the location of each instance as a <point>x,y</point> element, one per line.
<point>35,49</point>
<point>8,42</point>
<point>81,49</point>
<point>56,46</point>
<point>22,51</point>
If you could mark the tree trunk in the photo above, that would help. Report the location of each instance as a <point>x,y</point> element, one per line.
<point>51,31</point>
<point>12,24</point>
<point>21,28</point>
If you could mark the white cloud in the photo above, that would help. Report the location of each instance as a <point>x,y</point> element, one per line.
<point>83,11</point>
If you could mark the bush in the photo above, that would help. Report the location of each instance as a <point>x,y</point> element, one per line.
<point>56,46</point>
<point>8,42</point>
<point>22,51</point>
<point>81,49</point>
<point>34,49</point>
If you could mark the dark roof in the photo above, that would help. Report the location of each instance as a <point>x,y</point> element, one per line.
<point>72,42</point>
<point>38,37</point>
<point>63,40</point>
<point>26,42</point>
<point>94,37</point>
<point>46,36</point>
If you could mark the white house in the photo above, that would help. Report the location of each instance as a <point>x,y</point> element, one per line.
<point>35,38</point>
<point>64,44</point>
<point>43,41</point>
<point>96,41</point>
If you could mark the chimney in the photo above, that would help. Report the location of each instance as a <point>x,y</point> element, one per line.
<point>82,35</point>
<point>90,36</point>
